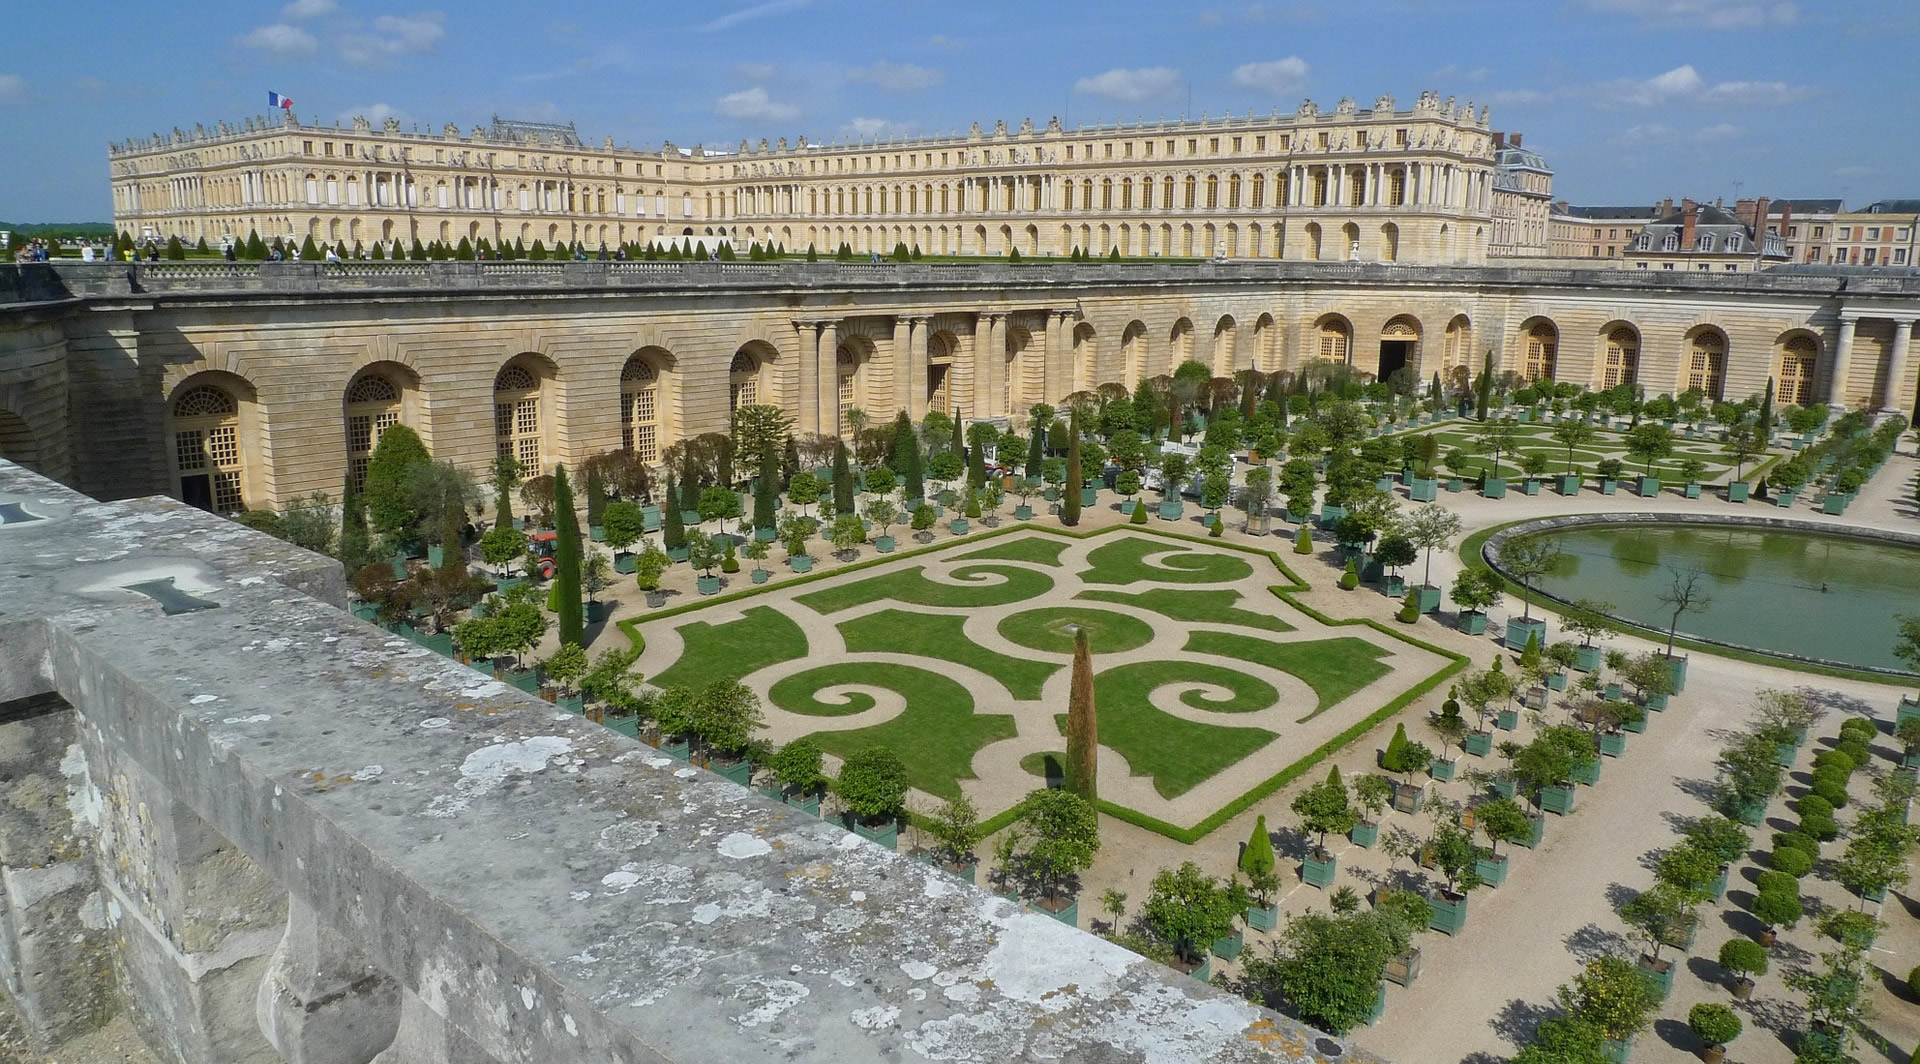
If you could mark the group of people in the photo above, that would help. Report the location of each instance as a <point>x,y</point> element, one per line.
<point>34,250</point>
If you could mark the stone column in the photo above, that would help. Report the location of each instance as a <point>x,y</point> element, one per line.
<point>1842,356</point>
<point>829,378</point>
<point>982,366</point>
<point>919,334</point>
<point>806,412</point>
<point>900,367</point>
<point>322,1002</point>
<point>1060,376</point>
<point>1897,394</point>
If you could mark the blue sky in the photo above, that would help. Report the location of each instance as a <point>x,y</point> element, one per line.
<point>1629,100</point>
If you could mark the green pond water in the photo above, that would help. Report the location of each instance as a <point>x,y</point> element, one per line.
<point>1798,593</point>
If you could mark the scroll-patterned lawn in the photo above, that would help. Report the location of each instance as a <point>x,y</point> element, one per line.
<point>942,636</point>
<point>1049,629</point>
<point>936,735</point>
<point>1193,605</point>
<point>1039,548</point>
<point>1124,561</point>
<point>732,650</point>
<point>1334,668</point>
<point>1179,754</point>
<point>983,585</point>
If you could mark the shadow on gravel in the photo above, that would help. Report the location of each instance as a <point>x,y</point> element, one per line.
<point>1517,1020</point>
<point>1593,941</point>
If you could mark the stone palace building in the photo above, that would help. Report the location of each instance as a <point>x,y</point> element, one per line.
<point>1350,184</point>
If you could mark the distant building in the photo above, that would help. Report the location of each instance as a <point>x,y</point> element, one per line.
<point>1705,237</point>
<point>1522,199</point>
<point>1595,232</point>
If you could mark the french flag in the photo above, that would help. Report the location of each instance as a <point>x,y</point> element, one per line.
<point>285,103</point>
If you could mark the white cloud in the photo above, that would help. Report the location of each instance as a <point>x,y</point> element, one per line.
<point>758,11</point>
<point>897,77</point>
<point>1130,85</point>
<point>873,128</point>
<point>1276,77</point>
<point>1854,171</point>
<point>1756,93</point>
<point>1712,14</point>
<point>1661,133</point>
<point>279,39</point>
<point>377,113</point>
<point>1683,84</point>
<point>309,9</point>
<point>755,105</point>
<point>1681,81</point>
<point>13,89</point>
<point>393,36</point>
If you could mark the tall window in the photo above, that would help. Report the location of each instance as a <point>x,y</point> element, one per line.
<point>1213,192</point>
<point>1622,359</point>
<point>373,406</point>
<point>1259,190</point>
<point>1190,188</point>
<point>1543,345</point>
<point>206,448</point>
<point>516,417</point>
<point>1796,370</point>
<point>846,368</point>
<point>1706,363</point>
<point>1334,341</point>
<point>640,409</point>
<point>743,382</point>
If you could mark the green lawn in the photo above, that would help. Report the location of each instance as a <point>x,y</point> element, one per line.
<point>763,636</point>
<point>1193,605</point>
<point>1538,439</point>
<point>1123,562</point>
<point>936,736</point>
<point>1178,754</point>
<point>912,587</point>
<point>1041,550</point>
<point>1334,668</point>
<point>1047,629</point>
<point>940,636</point>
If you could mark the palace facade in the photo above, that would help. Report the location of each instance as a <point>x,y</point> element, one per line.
<point>250,384</point>
<point>1379,184</point>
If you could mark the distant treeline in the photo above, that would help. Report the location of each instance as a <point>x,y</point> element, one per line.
<point>69,230</point>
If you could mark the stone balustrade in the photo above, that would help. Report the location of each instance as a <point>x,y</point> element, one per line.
<point>268,831</point>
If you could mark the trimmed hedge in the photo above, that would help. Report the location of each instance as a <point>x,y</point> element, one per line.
<point>1795,863</point>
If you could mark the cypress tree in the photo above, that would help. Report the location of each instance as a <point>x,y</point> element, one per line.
<point>1083,741</point>
<point>906,455</point>
<point>418,254</point>
<point>790,458</point>
<point>201,246</point>
<point>1070,503</point>
<point>464,252</point>
<point>700,251</point>
<point>813,255</point>
<point>538,253</point>
<point>379,253</point>
<point>256,248</point>
<point>596,495</point>
<point>1763,428</point>
<point>977,466</point>
<point>958,443</point>
<point>842,479</point>
<point>673,530</point>
<point>690,494</point>
<point>764,493</point>
<point>1036,455</point>
<point>389,486</point>
<point>356,546</point>
<point>1483,388</point>
<point>307,250</point>
<point>1433,390</point>
<point>340,249</point>
<point>566,561</point>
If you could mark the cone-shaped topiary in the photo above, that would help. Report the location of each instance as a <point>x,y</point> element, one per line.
<point>767,488</point>
<point>842,479</point>
<point>1083,743</point>
<point>1303,543</point>
<point>1257,859</point>
<point>1139,514</point>
<point>1395,754</point>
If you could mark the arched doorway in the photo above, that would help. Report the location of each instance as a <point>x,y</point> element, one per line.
<point>1620,359</point>
<point>1180,343</point>
<point>1133,352</point>
<point>373,406</point>
<point>518,424</point>
<point>1799,358</point>
<point>1389,242</point>
<point>1225,333</point>
<point>1540,341</point>
<point>850,360</point>
<point>1026,371</point>
<point>1263,333</point>
<point>1459,343</point>
<point>941,349</point>
<point>1399,346</point>
<point>643,403</point>
<point>208,464</point>
<point>1086,358</point>
<point>1707,362</point>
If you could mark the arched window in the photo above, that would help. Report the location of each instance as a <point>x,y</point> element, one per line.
<point>743,382</point>
<point>1336,340</point>
<point>1166,193</point>
<point>1707,363</point>
<point>1188,202</point>
<point>846,368</point>
<point>640,409</point>
<point>1797,364</point>
<point>1259,190</point>
<point>1543,348</point>
<point>1622,365</point>
<point>516,417</point>
<point>1213,191</point>
<point>1106,194</point>
<point>1233,192</point>
<point>206,449</point>
<point>373,406</point>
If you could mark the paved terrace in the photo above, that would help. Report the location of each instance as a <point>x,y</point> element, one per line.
<point>279,826</point>
<point>64,280</point>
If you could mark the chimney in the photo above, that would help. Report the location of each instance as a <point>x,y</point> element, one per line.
<point>1760,218</point>
<point>1499,140</point>
<point>1689,221</point>
<point>1516,140</point>
<point>1666,206</point>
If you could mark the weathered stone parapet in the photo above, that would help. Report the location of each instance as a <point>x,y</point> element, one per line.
<point>544,889</point>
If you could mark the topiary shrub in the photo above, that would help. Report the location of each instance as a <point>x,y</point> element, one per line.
<point>1777,908</point>
<point>1769,881</point>
<point>1913,981</point>
<point>1303,543</point>
<point>1713,1023</point>
<point>1832,793</point>
<point>1825,828</point>
<point>1743,957</point>
<point>1139,515</point>
<point>1857,750</point>
<point>1215,527</point>
<point>1795,863</point>
<point>1815,806</point>
<point>1831,761</point>
<point>1862,728</point>
<point>1410,614</point>
<point>1351,578</point>
<point>1796,840</point>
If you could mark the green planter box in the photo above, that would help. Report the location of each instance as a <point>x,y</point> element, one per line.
<point>740,772</point>
<point>1616,1050</point>
<point>1587,775</point>
<point>761,576</point>
<point>1229,948</point>
<point>1635,727</point>
<point>1834,503</point>
<point>1691,490</point>
<point>1429,598</point>
<point>1613,744</point>
<point>1449,913</point>
<point>1023,512</point>
<point>1171,509</point>
<point>596,611</point>
<point>1569,485</point>
<point>597,533</point>
<point>1608,487</point>
<point>1423,490</point>
<point>1263,918</point>
<point>1319,870</point>
<point>1536,831</point>
<point>707,585</point>
<point>440,643</point>
<point>1089,495</point>
<point>1494,488</point>
<point>1506,719</point>
<point>1656,703</point>
<point>1204,972</point>
<point>1785,499</point>
<point>572,703</point>
<point>1069,916</point>
<point>627,726</point>
<point>1752,815</point>
<point>676,750</point>
<point>884,544</point>
<point>1677,669</point>
<point>1456,485</point>
<point>690,517</point>
<point>1519,631</point>
<point>806,803</point>
<point>528,681</point>
<point>800,563</point>
<point>1907,708</point>
<point>1557,798</point>
<point>1443,770</point>
<point>958,526</point>
<point>1587,659</point>
<point>436,556</point>
<point>1557,681</point>
<point>1379,1006</point>
<point>1493,870</point>
<point>626,562</point>
<point>1718,888</point>
<point>650,518</point>
<point>1504,786</point>
<point>1649,487</point>
<point>483,666</point>
<point>1364,835</point>
<point>366,611</point>
<point>1479,743</point>
<point>1737,491</point>
<point>886,835</point>
<point>1658,979</point>
<point>1408,797</point>
<point>1612,692</point>
<point>1530,486</point>
<point>1404,968</point>
<point>678,554</point>
<point>1330,516</point>
<point>1473,622</point>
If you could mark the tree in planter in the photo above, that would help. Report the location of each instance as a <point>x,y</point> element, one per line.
<point>1502,820</point>
<point>1452,730</point>
<point>1588,619</point>
<point>501,545</point>
<point>1476,590</point>
<point>1455,856</point>
<point>1256,496</point>
<point>728,714</point>
<point>1527,559</point>
<point>1257,864</point>
<point>1325,968</point>
<point>1777,908</point>
<point>797,767</point>
<point>804,489</point>
<point>1544,763</point>
<point>566,561</point>
<point>703,555</point>
<point>1373,794</point>
<point>648,567</point>
<point>956,827</point>
<point>1715,1025</point>
<point>1748,775</point>
<point>1834,1002</point>
<point>1325,808</point>
<point>1573,435</point>
<point>847,533</point>
<point>1174,468</point>
<point>537,495</point>
<point>1875,860</point>
<point>873,785</point>
<point>1480,690</point>
<point>1609,468</point>
<point>673,527</point>
<point>842,479</point>
<point>945,468</point>
<point>1743,959</point>
<point>1656,915</point>
<point>1650,442</point>
<point>1610,995</point>
<point>624,523</point>
<point>520,624</point>
<point>756,551</point>
<point>1405,756</point>
<point>1114,904</point>
<point>794,534</point>
<point>882,512</point>
<point>718,504</point>
<point>1431,528</point>
<point>1083,744</point>
<point>1190,910</point>
<point>923,517</point>
<point>1685,593</point>
<point>1497,438</point>
<point>565,666</point>
<point>1065,836</point>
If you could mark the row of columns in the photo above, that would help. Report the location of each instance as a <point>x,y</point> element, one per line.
<point>1892,395</point>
